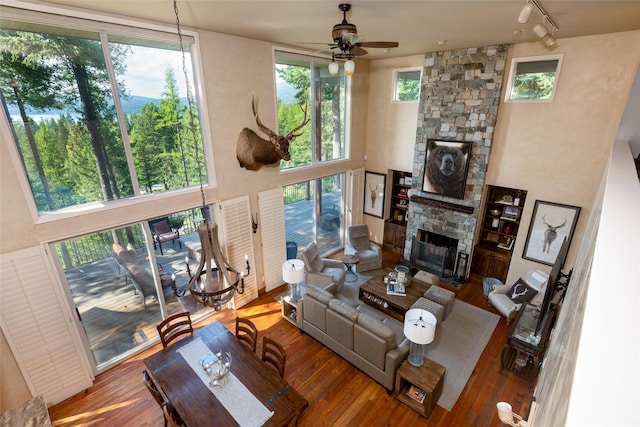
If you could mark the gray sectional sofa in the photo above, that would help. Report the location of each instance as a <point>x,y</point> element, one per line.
<point>368,339</point>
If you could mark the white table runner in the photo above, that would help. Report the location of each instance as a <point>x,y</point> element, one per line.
<point>243,406</point>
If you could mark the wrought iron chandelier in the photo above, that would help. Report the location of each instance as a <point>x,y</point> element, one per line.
<point>215,281</point>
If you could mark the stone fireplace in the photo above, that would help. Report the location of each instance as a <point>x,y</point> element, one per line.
<point>459,99</point>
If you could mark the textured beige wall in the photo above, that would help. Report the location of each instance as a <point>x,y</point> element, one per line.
<point>391,127</point>
<point>13,389</point>
<point>558,151</point>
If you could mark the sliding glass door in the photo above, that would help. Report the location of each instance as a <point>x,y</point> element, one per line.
<point>313,211</point>
<point>122,280</point>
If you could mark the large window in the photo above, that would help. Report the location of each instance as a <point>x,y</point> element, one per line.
<point>305,83</point>
<point>97,116</point>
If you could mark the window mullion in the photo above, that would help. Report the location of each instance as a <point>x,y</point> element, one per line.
<point>122,121</point>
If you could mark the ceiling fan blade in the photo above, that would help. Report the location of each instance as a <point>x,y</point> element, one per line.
<point>379,44</point>
<point>357,51</point>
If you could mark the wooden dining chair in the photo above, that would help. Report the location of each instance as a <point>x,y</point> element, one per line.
<point>247,332</point>
<point>174,326</point>
<point>273,354</point>
<point>170,415</point>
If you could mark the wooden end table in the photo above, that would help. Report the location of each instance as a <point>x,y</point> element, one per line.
<point>428,378</point>
<point>349,261</point>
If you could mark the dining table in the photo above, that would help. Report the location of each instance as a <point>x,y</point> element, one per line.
<point>254,388</point>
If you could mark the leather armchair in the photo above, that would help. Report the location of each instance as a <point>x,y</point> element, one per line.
<point>358,244</point>
<point>498,298</point>
<point>322,271</point>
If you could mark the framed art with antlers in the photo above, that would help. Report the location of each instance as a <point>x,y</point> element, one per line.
<point>374,189</point>
<point>550,224</point>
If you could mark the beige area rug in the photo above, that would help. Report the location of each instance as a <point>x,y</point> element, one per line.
<point>459,342</point>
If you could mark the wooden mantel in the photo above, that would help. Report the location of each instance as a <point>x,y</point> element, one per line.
<point>442,205</point>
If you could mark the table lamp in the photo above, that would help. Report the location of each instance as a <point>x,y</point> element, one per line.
<point>293,274</point>
<point>420,329</point>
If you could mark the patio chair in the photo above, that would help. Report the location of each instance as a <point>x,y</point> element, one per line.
<point>162,232</point>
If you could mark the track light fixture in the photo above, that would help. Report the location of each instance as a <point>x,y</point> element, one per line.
<point>541,30</point>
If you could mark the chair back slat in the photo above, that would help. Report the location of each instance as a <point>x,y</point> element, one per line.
<point>174,326</point>
<point>247,332</point>
<point>273,354</point>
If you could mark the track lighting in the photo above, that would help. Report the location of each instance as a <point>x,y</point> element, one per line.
<point>525,13</point>
<point>541,30</point>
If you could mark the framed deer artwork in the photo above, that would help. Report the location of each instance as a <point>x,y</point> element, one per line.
<point>550,224</point>
<point>374,188</point>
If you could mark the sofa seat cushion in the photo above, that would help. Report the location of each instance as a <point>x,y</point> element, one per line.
<point>319,293</point>
<point>378,328</point>
<point>344,309</point>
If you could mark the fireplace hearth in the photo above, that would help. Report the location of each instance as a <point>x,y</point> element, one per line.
<point>433,252</point>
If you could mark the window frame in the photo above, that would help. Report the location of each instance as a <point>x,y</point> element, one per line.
<point>279,51</point>
<point>104,26</point>
<point>394,83</point>
<point>526,59</point>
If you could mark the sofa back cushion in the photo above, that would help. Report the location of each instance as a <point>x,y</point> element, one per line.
<point>340,320</point>
<point>123,255</point>
<point>314,306</point>
<point>372,339</point>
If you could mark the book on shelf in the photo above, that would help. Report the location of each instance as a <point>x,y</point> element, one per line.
<point>394,288</point>
<point>416,394</point>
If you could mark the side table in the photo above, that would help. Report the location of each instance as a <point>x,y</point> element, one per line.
<point>349,261</point>
<point>291,308</point>
<point>424,383</point>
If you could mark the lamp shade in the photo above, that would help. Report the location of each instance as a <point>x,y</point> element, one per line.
<point>505,412</point>
<point>293,271</point>
<point>419,326</point>
<point>349,67</point>
<point>333,68</point>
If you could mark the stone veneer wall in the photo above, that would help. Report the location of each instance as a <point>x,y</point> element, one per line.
<point>459,101</point>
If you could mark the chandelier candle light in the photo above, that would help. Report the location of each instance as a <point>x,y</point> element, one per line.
<point>293,274</point>
<point>420,329</point>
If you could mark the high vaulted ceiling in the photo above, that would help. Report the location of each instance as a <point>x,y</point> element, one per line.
<point>419,26</point>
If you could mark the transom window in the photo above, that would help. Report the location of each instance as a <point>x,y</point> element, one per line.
<point>302,82</point>
<point>406,84</point>
<point>533,78</point>
<point>97,116</point>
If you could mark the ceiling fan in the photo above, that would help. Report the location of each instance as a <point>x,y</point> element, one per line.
<point>346,38</point>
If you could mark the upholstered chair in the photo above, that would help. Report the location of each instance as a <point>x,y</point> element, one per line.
<point>508,302</point>
<point>358,244</point>
<point>322,271</point>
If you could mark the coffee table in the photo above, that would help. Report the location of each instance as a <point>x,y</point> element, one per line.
<point>374,293</point>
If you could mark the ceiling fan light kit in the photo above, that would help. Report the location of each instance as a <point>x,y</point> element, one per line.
<point>347,41</point>
<point>540,30</point>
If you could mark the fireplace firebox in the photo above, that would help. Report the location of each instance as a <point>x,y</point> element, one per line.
<point>433,252</point>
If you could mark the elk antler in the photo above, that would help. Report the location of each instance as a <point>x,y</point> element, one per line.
<point>254,106</point>
<point>291,134</point>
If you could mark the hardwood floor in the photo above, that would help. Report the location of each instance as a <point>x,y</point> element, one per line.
<point>338,393</point>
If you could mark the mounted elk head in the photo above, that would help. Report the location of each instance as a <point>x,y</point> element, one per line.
<point>253,152</point>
